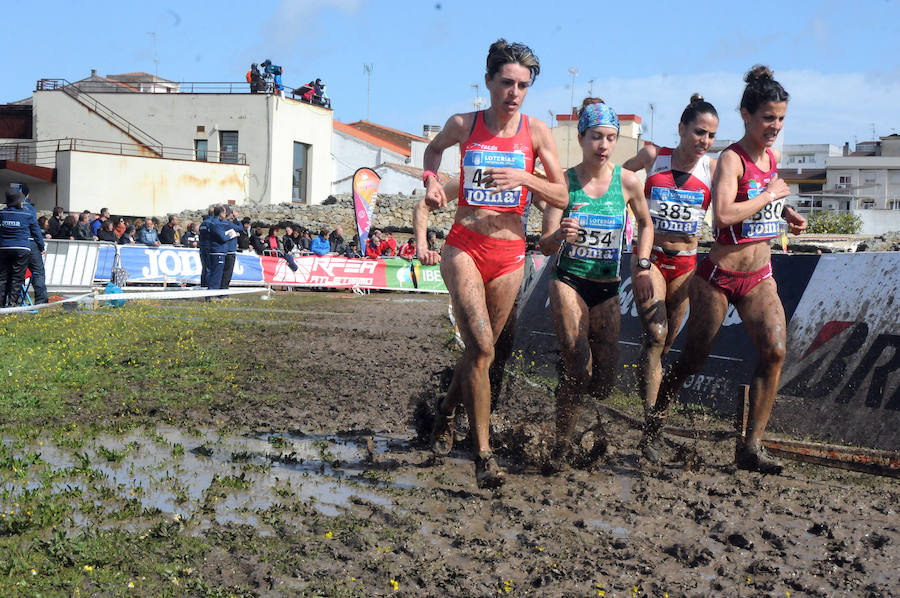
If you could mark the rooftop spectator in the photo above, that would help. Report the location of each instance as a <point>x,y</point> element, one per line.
<point>148,235</point>
<point>255,79</point>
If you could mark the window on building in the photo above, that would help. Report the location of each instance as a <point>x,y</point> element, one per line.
<point>844,181</point>
<point>228,147</point>
<point>300,172</point>
<point>200,148</point>
<point>870,179</point>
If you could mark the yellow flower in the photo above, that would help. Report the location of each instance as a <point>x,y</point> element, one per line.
<point>34,571</point>
<point>88,568</point>
<point>130,584</point>
<point>328,534</point>
<point>395,584</point>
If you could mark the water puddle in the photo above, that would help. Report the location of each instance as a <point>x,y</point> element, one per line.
<point>226,478</point>
<point>619,532</point>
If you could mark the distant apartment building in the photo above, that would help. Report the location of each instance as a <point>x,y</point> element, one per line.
<point>140,144</point>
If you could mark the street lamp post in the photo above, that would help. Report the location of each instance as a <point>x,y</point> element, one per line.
<point>574,73</point>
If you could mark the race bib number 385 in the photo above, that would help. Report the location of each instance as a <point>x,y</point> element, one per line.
<point>599,237</point>
<point>765,223</point>
<point>676,210</point>
<point>475,163</point>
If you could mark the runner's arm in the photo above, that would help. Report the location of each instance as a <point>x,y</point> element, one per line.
<point>642,160</point>
<point>551,234</point>
<point>728,211</point>
<point>634,195</point>
<point>453,132</point>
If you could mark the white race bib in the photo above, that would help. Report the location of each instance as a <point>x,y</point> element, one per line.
<point>765,223</point>
<point>475,162</point>
<point>676,210</point>
<point>599,237</point>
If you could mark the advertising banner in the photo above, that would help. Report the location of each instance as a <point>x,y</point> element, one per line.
<point>343,273</point>
<point>365,194</point>
<point>175,265</point>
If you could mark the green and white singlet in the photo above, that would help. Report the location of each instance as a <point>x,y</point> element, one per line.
<point>601,222</point>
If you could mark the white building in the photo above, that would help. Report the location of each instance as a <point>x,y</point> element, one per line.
<point>135,143</point>
<point>565,135</point>
<point>866,182</point>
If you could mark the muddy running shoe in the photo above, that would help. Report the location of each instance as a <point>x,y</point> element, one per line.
<point>757,460</point>
<point>487,473</point>
<point>558,462</point>
<point>442,432</point>
<point>651,442</point>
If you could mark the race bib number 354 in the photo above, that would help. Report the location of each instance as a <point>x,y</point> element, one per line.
<point>475,163</point>
<point>599,237</point>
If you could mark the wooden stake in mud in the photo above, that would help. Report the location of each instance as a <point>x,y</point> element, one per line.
<point>740,420</point>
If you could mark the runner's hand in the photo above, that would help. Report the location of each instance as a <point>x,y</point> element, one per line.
<point>503,179</point>
<point>778,187</point>
<point>796,222</point>
<point>434,195</point>
<point>568,229</point>
<point>642,285</point>
<point>428,257</point>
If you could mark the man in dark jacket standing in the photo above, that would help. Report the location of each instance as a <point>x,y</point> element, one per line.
<point>17,224</point>
<point>35,257</point>
<point>167,235</point>
<point>203,246</point>
<point>233,229</point>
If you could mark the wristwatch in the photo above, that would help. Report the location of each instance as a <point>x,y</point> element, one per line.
<point>644,264</point>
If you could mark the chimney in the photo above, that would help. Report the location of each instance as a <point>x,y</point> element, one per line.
<point>93,72</point>
<point>846,148</point>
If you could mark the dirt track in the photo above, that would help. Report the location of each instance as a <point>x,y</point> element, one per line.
<point>695,527</point>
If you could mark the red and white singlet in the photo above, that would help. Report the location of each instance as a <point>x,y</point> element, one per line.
<point>674,208</point>
<point>763,225</point>
<point>483,150</point>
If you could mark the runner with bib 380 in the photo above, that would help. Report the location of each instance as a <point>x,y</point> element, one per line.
<point>748,200</point>
<point>678,193</point>
<point>584,290</point>
<point>484,254</point>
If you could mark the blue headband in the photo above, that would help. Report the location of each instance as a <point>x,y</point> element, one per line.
<point>597,115</point>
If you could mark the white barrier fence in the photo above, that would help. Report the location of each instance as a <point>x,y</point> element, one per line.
<point>70,265</point>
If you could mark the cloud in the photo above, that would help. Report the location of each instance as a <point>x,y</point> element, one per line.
<point>295,20</point>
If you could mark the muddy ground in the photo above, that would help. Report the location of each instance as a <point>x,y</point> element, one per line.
<point>362,367</point>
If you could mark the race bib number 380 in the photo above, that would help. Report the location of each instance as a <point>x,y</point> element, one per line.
<point>765,223</point>
<point>475,163</point>
<point>599,237</point>
<point>676,210</point>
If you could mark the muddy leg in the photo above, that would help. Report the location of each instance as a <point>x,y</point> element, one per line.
<point>571,321</point>
<point>708,308</point>
<point>654,324</point>
<point>763,317</point>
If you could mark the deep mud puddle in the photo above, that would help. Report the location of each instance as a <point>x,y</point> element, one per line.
<point>226,478</point>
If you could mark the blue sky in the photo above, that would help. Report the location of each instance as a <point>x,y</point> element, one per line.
<point>839,60</point>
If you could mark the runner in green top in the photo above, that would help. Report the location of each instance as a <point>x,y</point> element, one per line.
<point>584,292</point>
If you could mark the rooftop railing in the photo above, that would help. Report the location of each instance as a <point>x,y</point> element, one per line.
<point>43,153</point>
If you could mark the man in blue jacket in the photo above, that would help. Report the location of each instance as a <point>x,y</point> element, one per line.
<point>231,217</point>
<point>221,233</point>
<point>320,245</point>
<point>203,246</point>
<point>17,224</point>
<point>35,258</point>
